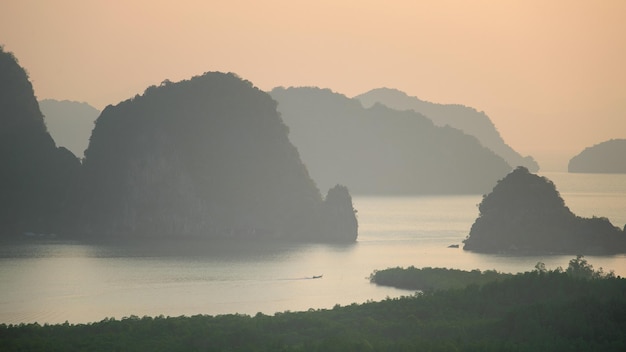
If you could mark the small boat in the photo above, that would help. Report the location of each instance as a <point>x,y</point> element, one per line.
<point>317,277</point>
<point>453,246</point>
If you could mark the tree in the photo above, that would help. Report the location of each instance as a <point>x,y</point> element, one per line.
<point>580,268</point>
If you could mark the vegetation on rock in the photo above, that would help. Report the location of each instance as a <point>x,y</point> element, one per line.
<point>35,177</point>
<point>205,157</point>
<point>525,213</point>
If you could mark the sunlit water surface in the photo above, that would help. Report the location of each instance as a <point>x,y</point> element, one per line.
<point>52,282</point>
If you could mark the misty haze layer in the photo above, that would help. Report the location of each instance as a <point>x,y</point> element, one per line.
<point>383,151</point>
<point>466,119</point>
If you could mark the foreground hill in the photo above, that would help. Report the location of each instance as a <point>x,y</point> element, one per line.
<point>606,157</point>
<point>535,311</point>
<point>205,157</point>
<point>525,213</point>
<point>462,117</point>
<point>35,175</point>
<point>383,151</point>
<point>70,123</point>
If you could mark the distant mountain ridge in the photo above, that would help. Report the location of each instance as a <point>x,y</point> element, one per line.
<point>466,119</point>
<point>606,157</point>
<point>70,123</point>
<point>380,150</point>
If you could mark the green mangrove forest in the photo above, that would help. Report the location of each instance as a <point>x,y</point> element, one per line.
<point>573,309</point>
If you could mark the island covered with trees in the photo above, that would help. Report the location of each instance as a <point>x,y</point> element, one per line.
<point>526,214</point>
<point>433,279</point>
<point>207,157</point>
<point>576,309</point>
<point>607,157</point>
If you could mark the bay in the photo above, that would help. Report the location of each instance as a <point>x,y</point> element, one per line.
<point>57,281</point>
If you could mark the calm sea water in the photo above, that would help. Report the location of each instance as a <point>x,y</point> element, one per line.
<point>51,282</point>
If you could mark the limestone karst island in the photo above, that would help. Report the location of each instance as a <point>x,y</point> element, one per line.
<point>207,157</point>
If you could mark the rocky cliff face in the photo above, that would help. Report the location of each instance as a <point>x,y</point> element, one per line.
<point>525,213</point>
<point>35,176</point>
<point>206,157</point>
<point>340,215</point>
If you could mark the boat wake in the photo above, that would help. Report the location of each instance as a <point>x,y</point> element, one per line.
<point>305,278</point>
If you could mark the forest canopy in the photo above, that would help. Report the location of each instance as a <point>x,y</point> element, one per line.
<point>540,310</point>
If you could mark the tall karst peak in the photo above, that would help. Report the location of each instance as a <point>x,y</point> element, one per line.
<point>36,176</point>
<point>204,157</point>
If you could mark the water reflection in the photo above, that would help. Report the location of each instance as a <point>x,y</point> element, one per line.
<point>54,281</point>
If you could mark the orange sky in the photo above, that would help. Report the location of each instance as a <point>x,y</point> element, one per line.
<point>550,74</point>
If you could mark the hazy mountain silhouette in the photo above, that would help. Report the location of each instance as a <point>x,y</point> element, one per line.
<point>35,176</point>
<point>70,123</point>
<point>206,157</point>
<point>525,213</point>
<point>606,157</point>
<point>383,151</point>
<point>462,117</point>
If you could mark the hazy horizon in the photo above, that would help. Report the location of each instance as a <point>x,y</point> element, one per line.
<point>549,75</point>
